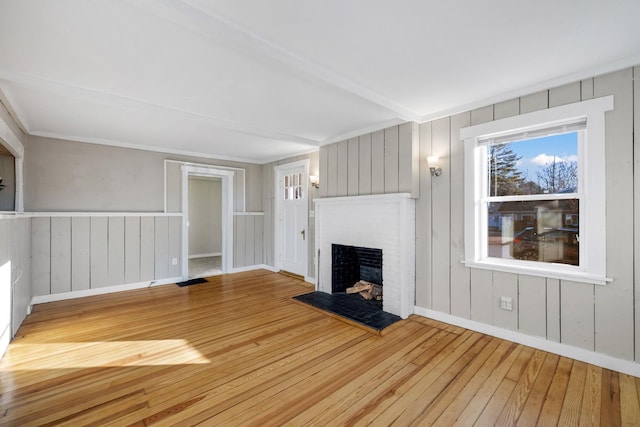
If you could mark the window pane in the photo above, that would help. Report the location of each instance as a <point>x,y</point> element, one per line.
<point>544,231</point>
<point>545,165</point>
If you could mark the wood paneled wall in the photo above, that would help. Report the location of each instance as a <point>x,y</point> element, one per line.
<point>75,253</point>
<point>593,317</point>
<point>248,239</point>
<point>381,162</point>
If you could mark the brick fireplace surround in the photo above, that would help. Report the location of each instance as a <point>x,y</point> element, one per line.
<point>386,222</point>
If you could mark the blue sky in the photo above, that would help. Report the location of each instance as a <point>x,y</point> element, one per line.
<point>536,152</point>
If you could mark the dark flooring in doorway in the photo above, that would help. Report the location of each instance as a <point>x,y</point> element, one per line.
<point>352,307</point>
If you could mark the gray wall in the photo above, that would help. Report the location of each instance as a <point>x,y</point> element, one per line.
<point>205,216</point>
<point>381,162</point>
<point>268,203</point>
<point>68,176</point>
<point>596,318</point>
<point>89,252</point>
<point>604,319</point>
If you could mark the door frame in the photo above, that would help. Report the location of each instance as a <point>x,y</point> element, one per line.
<point>227,213</point>
<point>278,235</point>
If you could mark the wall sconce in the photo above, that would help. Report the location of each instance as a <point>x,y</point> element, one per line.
<point>1,184</point>
<point>315,181</point>
<point>432,161</point>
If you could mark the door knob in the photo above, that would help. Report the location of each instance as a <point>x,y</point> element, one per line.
<point>303,234</point>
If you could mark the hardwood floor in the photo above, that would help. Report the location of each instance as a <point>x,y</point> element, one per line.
<point>240,351</point>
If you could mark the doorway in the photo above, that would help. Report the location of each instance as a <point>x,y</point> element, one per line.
<point>292,217</point>
<point>207,232</point>
<point>205,226</point>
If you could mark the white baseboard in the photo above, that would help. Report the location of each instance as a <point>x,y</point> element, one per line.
<point>311,280</point>
<point>205,255</point>
<point>40,299</point>
<point>598,359</point>
<point>255,267</point>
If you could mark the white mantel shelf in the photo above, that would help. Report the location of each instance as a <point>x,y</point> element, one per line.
<point>385,221</point>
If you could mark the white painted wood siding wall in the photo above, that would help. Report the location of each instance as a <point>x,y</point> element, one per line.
<point>75,253</point>
<point>596,318</point>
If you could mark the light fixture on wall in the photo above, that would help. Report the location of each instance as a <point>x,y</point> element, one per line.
<point>315,181</point>
<point>1,184</point>
<point>432,161</point>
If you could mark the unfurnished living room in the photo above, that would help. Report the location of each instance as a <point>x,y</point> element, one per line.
<point>229,213</point>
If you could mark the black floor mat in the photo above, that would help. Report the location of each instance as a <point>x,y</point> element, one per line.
<point>352,307</point>
<point>192,282</point>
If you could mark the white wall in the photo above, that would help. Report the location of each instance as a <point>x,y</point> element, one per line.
<point>205,216</point>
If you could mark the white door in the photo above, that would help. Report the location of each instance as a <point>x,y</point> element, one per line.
<point>291,228</point>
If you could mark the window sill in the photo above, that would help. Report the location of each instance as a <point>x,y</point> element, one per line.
<point>550,271</point>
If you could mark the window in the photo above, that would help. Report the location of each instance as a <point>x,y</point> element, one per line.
<point>293,186</point>
<point>534,193</point>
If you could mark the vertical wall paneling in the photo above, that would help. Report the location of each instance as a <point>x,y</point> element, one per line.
<point>249,240</point>
<point>506,109</point>
<point>577,314</point>
<point>614,302</point>
<point>553,310</point>
<point>80,253</point>
<point>353,167</point>
<point>377,162</point>
<point>441,211</point>
<point>116,251</point>
<point>41,255</point>
<point>343,168</point>
<point>409,159</point>
<point>311,240</point>
<point>259,236</point>
<point>324,171</point>
<point>147,248</point>
<point>534,102</point>
<point>99,252</point>
<point>239,243</point>
<point>566,94</point>
<point>505,285</point>
<point>482,296</point>
<point>460,275</point>
<point>132,249</point>
<point>60,255</point>
<point>175,246</point>
<point>364,165</point>
<point>332,171</point>
<point>636,198</point>
<point>423,222</point>
<point>586,89</point>
<point>269,206</point>
<point>532,302</point>
<point>18,249</point>
<point>481,115</point>
<point>391,160</point>
<point>161,247</point>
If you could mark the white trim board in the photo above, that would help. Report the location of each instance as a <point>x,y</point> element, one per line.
<point>583,355</point>
<point>41,299</point>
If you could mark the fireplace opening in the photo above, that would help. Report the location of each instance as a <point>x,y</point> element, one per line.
<point>351,264</point>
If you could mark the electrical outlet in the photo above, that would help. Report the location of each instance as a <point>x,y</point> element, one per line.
<point>506,303</point>
<point>174,261</point>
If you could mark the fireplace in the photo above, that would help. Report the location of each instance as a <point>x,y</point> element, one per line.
<point>350,264</point>
<point>383,222</point>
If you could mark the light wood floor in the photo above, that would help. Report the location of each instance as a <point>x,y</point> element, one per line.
<point>240,351</point>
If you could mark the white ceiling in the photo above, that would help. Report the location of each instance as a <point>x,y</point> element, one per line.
<point>260,80</point>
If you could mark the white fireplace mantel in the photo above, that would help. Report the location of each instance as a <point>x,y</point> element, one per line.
<point>385,221</point>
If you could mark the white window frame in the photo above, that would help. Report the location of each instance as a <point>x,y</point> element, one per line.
<point>592,268</point>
